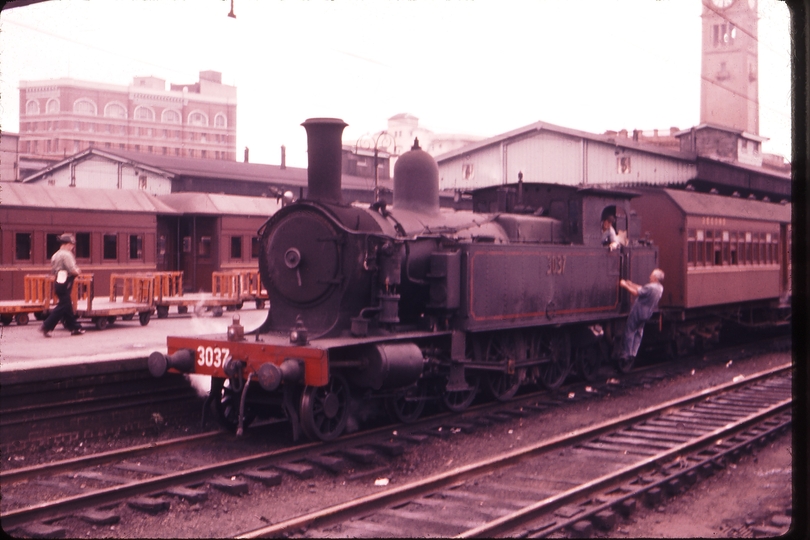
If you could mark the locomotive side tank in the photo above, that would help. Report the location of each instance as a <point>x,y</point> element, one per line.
<point>414,303</point>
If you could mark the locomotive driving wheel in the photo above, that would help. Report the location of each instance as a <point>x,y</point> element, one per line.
<point>458,400</point>
<point>555,348</point>
<point>588,359</point>
<point>325,409</point>
<point>502,385</point>
<point>407,406</point>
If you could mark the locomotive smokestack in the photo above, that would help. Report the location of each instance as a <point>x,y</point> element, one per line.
<point>324,149</point>
<point>283,157</point>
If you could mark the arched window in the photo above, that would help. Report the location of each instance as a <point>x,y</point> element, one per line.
<point>170,116</point>
<point>220,121</point>
<point>197,118</point>
<point>84,106</point>
<point>52,107</point>
<point>144,113</point>
<point>115,110</point>
<point>32,107</point>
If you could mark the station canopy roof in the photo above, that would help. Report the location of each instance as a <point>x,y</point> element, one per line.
<point>219,204</point>
<point>14,194</point>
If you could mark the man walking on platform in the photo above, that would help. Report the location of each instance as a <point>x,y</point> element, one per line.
<point>640,313</point>
<point>63,266</point>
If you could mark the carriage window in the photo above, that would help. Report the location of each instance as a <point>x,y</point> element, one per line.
<point>135,247</point>
<point>755,248</point>
<point>83,245</point>
<point>726,248</point>
<point>764,240</point>
<point>709,257</point>
<point>733,249</point>
<point>23,246</point>
<point>254,247</point>
<point>110,244</point>
<point>690,247</point>
<point>236,247</point>
<point>699,248</point>
<point>775,247</point>
<point>52,245</point>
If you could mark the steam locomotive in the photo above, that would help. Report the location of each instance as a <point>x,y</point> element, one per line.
<point>414,303</point>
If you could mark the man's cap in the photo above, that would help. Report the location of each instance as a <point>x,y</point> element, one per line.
<point>67,238</point>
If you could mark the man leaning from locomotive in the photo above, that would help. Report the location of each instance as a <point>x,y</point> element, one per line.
<point>63,266</point>
<point>646,303</point>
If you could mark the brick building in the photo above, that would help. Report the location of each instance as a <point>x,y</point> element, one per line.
<point>60,117</point>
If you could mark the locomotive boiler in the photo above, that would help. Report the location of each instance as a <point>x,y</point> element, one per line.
<point>408,303</point>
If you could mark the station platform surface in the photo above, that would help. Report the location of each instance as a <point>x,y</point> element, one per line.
<point>25,349</point>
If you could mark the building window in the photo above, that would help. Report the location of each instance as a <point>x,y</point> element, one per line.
<point>110,247</point>
<point>22,246</point>
<point>623,164</point>
<point>32,107</point>
<point>122,146</point>
<point>52,107</point>
<point>203,154</point>
<point>83,245</point>
<point>734,260</point>
<point>165,151</point>
<point>220,121</point>
<point>170,116</point>
<point>142,181</point>
<point>76,145</point>
<point>84,106</point>
<point>254,247</point>
<point>144,113</point>
<point>197,119</point>
<point>115,110</point>
<point>690,247</point>
<point>236,247</point>
<point>135,247</point>
<point>467,171</point>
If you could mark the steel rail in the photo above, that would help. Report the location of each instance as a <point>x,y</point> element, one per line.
<point>458,475</point>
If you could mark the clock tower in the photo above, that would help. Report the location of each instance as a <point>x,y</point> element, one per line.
<point>729,93</point>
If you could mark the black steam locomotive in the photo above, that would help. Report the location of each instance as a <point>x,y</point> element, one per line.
<point>411,303</point>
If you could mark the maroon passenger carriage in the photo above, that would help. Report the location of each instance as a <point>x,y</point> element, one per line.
<point>413,303</point>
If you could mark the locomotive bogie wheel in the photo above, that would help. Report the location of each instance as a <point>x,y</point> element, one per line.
<point>128,317</point>
<point>144,317</point>
<point>588,360</point>
<point>225,403</point>
<point>162,312</point>
<point>100,322</point>
<point>6,319</point>
<point>555,348</point>
<point>182,310</point>
<point>21,318</point>
<point>325,409</point>
<point>408,406</point>
<point>499,384</point>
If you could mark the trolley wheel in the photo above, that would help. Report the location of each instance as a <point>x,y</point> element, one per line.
<point>218,311</point>
<point>457,401</point>
<point>182,310</point>
<point>407,406</point>
<point>162,312</point>
<point>128,317</point>
<point>225,403</point>
<point>325,409</point>
<point>101,322</point>
<point>259,304</point>
<point>6,319</point>
<point>21,318</point>
<point>144,317</point>
<point>588,360</point>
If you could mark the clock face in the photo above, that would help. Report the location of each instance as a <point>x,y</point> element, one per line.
<point>722,3</point>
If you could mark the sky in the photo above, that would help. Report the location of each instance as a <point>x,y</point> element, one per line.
<point>476,67</point>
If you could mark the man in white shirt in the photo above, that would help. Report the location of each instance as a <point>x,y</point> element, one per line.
<point>63,266</point>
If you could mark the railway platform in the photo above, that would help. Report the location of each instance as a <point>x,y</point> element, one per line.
<point>25,352</point>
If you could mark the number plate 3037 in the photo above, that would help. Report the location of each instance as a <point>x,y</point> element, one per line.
<point>212,357</point>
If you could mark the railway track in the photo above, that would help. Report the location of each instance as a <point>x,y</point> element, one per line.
<point>267,467</point>
<point>647,454</point>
